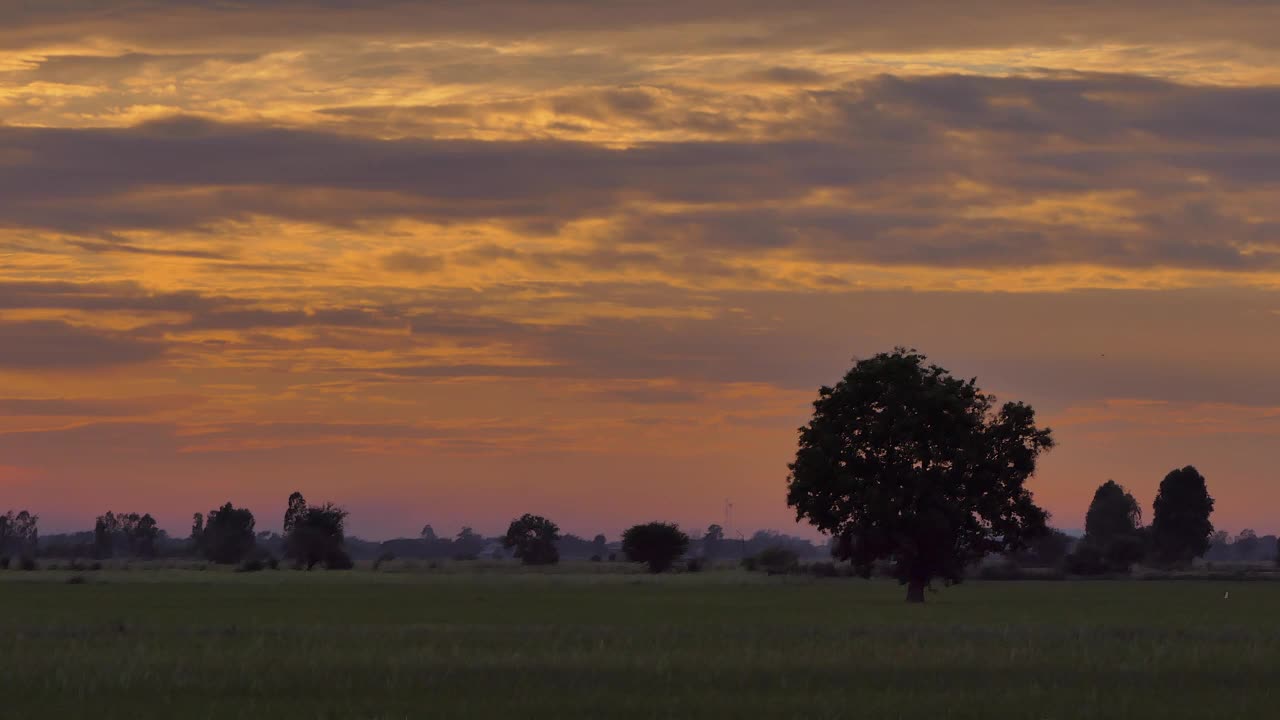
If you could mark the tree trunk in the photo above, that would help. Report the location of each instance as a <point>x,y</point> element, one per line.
<point>915,591</point>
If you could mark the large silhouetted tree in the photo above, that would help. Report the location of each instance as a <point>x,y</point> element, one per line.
<point>1112,529</point>
<point>316,534</point>
<point>655,544</point>
<point>1180,526</point>
<point>1113,513</point>
<point>228,536</point>
<point>903,462</point>
<point>533,538</point>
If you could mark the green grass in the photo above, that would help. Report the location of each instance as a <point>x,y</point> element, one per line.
<point>192,644</point>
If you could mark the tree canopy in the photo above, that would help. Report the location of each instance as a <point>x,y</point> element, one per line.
<point>1180,526</point>
<point>316,534</point>
<point>228,537</point>
<point>903,462</point>
<point>533,538</point>
<point>1113,539</point>
<point>1113,513</point>
<point>656,544</point>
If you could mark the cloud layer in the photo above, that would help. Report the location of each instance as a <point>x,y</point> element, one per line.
<point>521,247</point>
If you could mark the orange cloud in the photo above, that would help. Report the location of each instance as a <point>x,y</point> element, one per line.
<point>464,259</point>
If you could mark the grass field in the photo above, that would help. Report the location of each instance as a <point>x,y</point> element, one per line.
<point>177,644</point>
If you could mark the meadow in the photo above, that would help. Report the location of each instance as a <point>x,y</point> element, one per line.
<point>362,644</point>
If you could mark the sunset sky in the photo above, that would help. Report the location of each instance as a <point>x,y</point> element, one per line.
<point>450,262</point>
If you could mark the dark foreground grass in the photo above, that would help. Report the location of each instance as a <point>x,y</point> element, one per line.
<point>277,645</point>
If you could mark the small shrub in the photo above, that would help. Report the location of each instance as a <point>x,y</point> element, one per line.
<point>778,560</point>
<point>4,563</point>
<point>884,569</point>
<point>383,558</point>
<point>339,560</point>
<point>1005,570</point>
<point>1124,552</point>
<point>613,557</point>
<point>1087,559</point>
<point>750,564</point>
<point>251,564</point>
<point>658,545</point>
<point>95,566</point>
<point>595,558</point>
<point>28,564</point>
<point>273,562</point>
<point>823,569</point>
<point>76,580</point>
<point>695,564</point>
<point>532,539</point>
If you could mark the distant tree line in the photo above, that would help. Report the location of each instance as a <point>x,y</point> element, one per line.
<point>315,536</point>
<point>1115,539</point>
<point>1247,546</point>
<point>125,534</point>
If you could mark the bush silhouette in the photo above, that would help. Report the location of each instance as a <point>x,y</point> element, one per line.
<point>1087,559</point>
<point>533,538</point>
<point>227,537</point>
<point>777,560</point>
<point>658,545</point>
<point>316,534</point>
<point>339,560</point>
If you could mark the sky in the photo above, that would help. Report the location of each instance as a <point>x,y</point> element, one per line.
<point>452,262</point>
